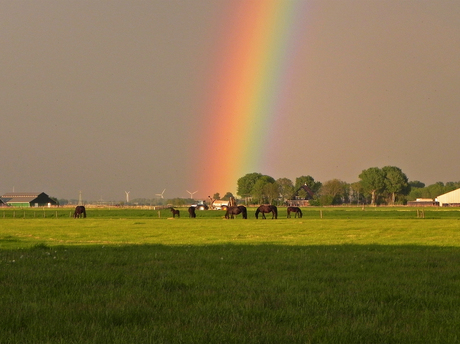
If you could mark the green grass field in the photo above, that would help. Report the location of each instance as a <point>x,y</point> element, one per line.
<point>378,275</point>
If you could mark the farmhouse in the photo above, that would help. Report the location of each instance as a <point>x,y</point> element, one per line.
<point>28,199</point>
<point>299,201</point>
<point>450,199</point>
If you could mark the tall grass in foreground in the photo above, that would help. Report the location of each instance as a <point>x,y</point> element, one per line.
<point>143,280</point>
<point>230,294</point>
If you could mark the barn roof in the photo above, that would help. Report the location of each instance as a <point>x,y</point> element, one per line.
<point>453,192</point>
<point>19,199</point>
<point>26,197</point>
<point>21,194</point>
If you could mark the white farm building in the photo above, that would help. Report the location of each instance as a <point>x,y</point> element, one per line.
<point>450,199</point>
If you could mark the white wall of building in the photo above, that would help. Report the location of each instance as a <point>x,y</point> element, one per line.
<point>449,198</point>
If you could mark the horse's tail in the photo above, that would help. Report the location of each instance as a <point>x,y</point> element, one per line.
<point>245,213</point>
<point>300,212</point>
<point>275,211</point>
<point>257,213</point>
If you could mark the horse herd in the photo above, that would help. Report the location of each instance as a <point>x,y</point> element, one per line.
<point>241,209</point>
<point>80,211</point>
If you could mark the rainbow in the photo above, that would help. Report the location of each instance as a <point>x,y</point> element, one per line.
<point>247,91</point>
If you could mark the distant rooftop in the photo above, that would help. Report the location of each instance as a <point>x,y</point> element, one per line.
<point>21,194</point>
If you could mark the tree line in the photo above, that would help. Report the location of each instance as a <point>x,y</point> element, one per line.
<point>387,185</point>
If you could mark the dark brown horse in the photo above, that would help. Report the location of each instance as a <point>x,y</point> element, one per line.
<point>265,209</point>
<point>241,209</point>
<point>191,212</point>
<point>79,212</point>
<point>175,212</point>
<point>296,210</point>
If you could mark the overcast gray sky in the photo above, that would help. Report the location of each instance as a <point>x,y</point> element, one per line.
<point>100,96</point>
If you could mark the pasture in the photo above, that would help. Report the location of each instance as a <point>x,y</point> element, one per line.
<point>337,275</point>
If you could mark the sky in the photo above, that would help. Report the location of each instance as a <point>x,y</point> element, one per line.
<point>105,97</point>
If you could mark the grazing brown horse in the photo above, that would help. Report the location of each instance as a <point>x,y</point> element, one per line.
<point>296,210</point>
<point>175,212</point>
<point>79,212</point>
<point>241,209</point>
<point>191,212</point>
<point>267,208</point>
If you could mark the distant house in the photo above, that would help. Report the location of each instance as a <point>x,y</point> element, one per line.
<point>28,199</point>
<point>301,202</point>
<point>450,199</point>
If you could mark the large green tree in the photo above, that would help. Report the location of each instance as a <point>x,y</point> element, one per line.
<point>286,188</point>
<point>271,192</point>
<point>333,192</point>
<point>246,183</point>
<point>396,182</point>
<point>253,185</point>
<point>262,192</point>
<point>257,192</point>
<point>373,182</point>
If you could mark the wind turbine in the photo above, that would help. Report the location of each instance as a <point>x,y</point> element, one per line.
<point>191,193</point>
<point>127,196</point>
<point>161,195</point>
